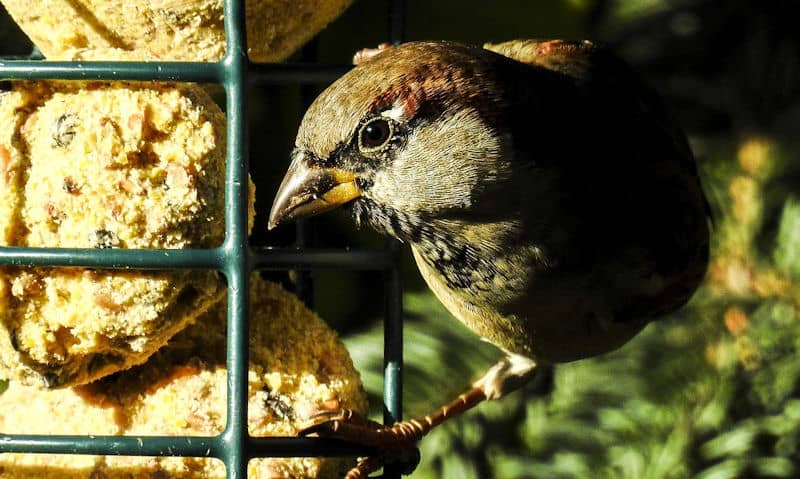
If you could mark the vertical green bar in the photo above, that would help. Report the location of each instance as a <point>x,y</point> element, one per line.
<point>393,338</point>
<point>393,323</point>
<point>236,250</point>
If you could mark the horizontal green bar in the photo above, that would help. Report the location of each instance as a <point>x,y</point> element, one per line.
<point>113,258</point>
<point>81,70</point>
<point>273,73</point>
<point>184,446</point>
<point>112,445</point>
<point>263,258</point>
<point>280,259</point>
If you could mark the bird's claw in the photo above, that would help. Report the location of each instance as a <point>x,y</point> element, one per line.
<point>395,445</point>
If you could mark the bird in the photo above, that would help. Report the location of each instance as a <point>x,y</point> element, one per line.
<point>551,201</point>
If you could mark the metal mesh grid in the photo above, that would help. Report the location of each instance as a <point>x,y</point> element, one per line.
<point>234,258</point>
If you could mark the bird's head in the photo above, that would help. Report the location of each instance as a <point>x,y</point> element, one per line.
<point>409,135</point>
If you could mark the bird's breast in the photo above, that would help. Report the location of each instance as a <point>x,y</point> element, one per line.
<point>510,299</point>
<point>477,273</point>
<point>468,295</point>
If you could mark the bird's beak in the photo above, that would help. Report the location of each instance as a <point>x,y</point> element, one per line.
<point>307,190</point>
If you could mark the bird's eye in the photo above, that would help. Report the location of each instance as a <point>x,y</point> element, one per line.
<point>375,134</point>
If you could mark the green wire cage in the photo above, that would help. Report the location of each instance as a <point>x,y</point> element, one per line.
<point>235,258</point>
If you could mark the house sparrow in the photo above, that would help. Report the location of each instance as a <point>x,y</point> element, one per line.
<point>551,203</point>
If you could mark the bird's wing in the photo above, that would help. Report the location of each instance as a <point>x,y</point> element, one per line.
<point>633,162</point>
<point>597,69</point>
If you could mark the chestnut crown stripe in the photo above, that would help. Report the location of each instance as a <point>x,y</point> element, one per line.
<point>412,83</point>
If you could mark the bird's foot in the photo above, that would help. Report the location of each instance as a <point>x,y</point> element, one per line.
<point>395,445</point>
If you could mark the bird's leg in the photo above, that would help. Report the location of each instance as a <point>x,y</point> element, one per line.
<point>396,444</point>
<point>508,375</point>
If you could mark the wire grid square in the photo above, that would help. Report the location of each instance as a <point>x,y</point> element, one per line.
<point>234,258</point>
